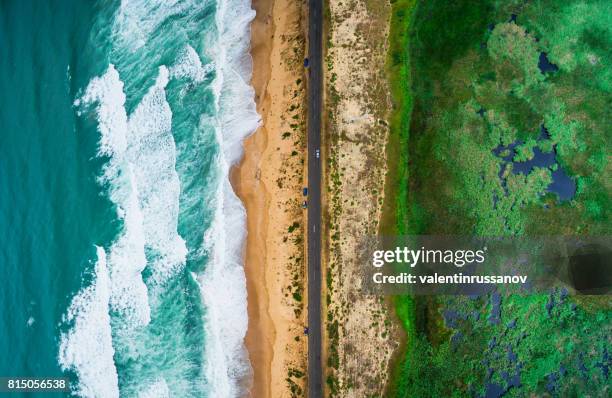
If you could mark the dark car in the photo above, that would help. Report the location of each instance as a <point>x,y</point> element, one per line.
<point>306,62</point>
<point>305,191</point>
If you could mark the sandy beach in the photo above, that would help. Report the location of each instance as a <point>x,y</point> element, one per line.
<point>269,181</point>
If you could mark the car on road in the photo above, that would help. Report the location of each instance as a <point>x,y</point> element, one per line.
<point>305,191</point>
<point>317,154</point>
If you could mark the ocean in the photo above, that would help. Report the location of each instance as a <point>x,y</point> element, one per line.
<point>122,238</point>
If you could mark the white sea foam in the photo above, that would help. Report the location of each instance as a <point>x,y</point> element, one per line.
<point>235,95</point>
<point>158,389</point>
<point>137,19</point>
<point>127,255</point>
<point>152,153</point>
<point>142,181</point>
<point>190,66</point>
<point>223,289</point>
<point>87,347</point>
<point>223,283</point>
<point>144,186</point>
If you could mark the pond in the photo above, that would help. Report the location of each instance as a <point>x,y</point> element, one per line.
<point>562,184</point>
<point>545,65</point>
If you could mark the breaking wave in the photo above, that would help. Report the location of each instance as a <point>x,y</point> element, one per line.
<point>138,323</point>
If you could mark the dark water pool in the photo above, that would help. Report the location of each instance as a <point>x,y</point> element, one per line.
<point>545,65</point>
<point>562,184</point>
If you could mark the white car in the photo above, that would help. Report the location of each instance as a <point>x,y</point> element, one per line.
<point>317,154</point>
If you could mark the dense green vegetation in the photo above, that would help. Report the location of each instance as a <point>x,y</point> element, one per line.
<point>396,204</point>
<point>495,71</point>
<point>396,191</point>
<point>469,78</point>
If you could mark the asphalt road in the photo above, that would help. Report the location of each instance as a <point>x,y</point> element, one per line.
<point>315,94</point>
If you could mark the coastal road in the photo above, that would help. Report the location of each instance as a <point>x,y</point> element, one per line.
<point>315,94</point>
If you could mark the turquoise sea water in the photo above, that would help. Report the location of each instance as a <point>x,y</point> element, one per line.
<point>121,236</point>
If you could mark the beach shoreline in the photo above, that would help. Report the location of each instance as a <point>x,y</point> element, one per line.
<point>254,196</point>
<point>268,182</point>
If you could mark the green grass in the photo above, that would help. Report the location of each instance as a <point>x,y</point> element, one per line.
<point>404,308</point>
<point>445,64</point>
<point>399,72</point>
<point>396,192</point>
